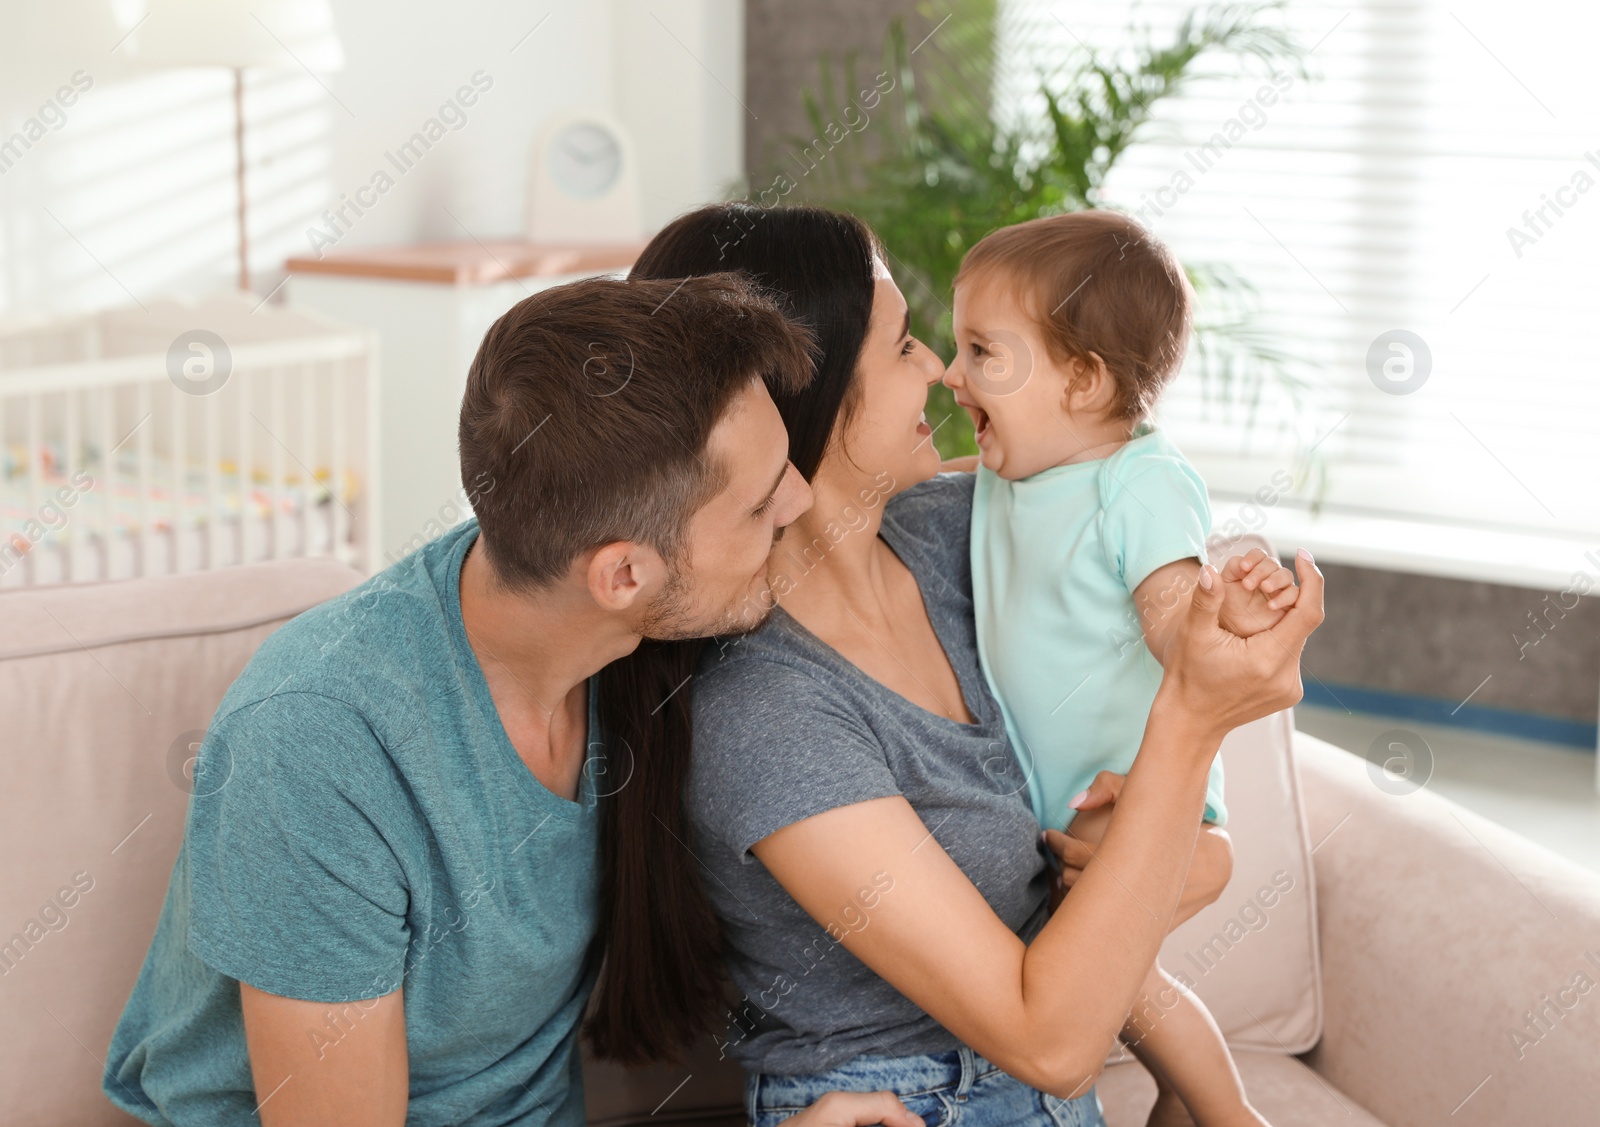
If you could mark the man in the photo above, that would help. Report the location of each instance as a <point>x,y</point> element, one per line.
<point>384,912</point>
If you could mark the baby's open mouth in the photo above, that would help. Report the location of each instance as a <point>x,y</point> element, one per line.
<point>980,421</point>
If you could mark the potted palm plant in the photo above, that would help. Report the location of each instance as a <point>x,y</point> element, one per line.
<point>942,168</point>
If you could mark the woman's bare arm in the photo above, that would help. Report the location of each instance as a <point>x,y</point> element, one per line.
<point>1045,1013</point>
<point>1048,1012</point>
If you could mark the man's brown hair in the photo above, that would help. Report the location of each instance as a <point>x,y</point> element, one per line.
<point>588,408</point>
<point>1096,282</point>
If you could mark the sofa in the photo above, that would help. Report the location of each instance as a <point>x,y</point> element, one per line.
<point>1382,956</point>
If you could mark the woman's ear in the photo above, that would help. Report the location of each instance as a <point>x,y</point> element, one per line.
<point>1092,390</point>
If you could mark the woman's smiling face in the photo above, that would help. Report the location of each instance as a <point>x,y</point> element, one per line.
<point>884,429</point>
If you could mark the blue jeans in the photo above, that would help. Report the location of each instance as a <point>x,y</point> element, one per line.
<point>956,1086</point>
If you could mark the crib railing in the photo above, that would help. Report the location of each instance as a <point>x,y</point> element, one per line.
<point>129,464</point>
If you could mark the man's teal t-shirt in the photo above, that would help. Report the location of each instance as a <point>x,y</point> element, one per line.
<point>1056,558</point>
<point>360,823</point>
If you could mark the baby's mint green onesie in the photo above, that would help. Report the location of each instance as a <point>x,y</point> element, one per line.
<point>1056,558</point>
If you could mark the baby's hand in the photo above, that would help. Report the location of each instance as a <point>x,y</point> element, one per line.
<point>1257,591</point>
<point>1075,847</point>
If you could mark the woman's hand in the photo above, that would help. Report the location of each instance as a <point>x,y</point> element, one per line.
<point>1215,681</point>
<point>856,1109</point>
<point>1209,870</point>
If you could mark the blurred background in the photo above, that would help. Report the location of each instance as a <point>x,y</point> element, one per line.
<point>247,250</point>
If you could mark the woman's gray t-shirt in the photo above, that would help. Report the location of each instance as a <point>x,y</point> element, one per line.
<point>785,728</point>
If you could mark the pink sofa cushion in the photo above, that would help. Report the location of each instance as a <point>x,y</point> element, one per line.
<point>115,682</point>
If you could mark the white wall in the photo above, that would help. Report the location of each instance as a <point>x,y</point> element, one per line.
<point>132,196</point>
<point>680,88</point>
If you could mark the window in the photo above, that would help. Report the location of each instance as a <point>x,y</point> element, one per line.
<point>1438,173</point>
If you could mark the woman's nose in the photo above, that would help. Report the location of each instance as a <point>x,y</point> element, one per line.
<point>795,496</point>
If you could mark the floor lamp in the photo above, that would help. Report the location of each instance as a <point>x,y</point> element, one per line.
<point>277,34</point>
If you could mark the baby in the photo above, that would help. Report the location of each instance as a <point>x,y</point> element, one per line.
<point>1088,534</point>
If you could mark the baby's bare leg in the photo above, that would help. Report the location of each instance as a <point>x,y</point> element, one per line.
<point>1175,1037</point>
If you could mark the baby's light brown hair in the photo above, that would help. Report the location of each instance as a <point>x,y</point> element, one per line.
<point>1096,282</point>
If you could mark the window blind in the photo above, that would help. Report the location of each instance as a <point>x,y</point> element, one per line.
<point>1418,216</point>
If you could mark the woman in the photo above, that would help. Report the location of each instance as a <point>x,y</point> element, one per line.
<point>895,933</point>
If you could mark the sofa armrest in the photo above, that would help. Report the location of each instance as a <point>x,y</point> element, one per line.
<point>1460,962</point>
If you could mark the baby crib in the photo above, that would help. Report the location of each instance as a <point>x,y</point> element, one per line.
<point>182,437</point>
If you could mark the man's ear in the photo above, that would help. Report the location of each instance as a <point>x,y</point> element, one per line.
<point>622,574</point>
<point>1092,389</point>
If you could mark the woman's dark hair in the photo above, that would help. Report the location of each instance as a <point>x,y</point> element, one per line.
<point>661,983</point>
<point>816,266</point>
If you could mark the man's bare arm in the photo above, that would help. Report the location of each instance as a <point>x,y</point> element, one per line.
<point>322,1062</point>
